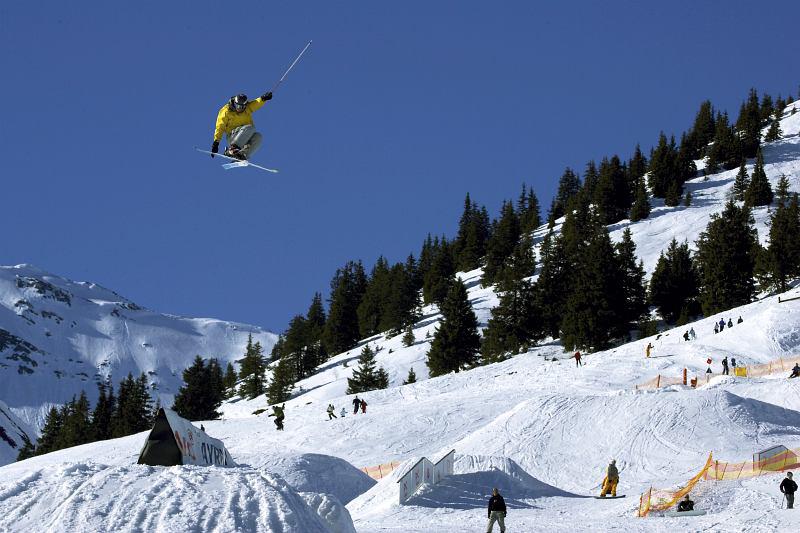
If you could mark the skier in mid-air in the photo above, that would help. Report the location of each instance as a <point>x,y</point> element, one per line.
<point>277,412</point>
<point>235,119</point>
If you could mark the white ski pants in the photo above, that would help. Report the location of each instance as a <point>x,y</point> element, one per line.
<point>496,516</point>
<point>244,136</point>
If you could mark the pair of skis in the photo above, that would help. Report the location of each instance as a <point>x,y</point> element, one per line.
<point>237,163</point>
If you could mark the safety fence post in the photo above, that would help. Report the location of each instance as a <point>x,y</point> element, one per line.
<point>658,381</point>
<point>684,376</point>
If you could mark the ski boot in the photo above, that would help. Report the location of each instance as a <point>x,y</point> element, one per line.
<point>235,152</point>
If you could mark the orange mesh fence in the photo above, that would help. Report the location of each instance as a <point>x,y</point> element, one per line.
<point>749,371</point>
<point>720,471</point>
<point>380,471</point>
<point>663,499</point>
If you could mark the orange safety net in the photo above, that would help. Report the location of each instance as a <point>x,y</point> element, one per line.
<point>663,499</point>
<point>380,471</point>
<point>720,471</point>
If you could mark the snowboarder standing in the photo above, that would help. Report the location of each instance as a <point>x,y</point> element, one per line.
<point>788,488</point>
<point>356,405</point>
<point>686,505</point>
<point>578,359</point>
<point>277,412</point>
<point>235,119</point>
<point>647,349</point>
<point>611,480</point>
<point>497,511</point>
<point>725,365</point>
<point>331,414</point>
<point>363,407</point>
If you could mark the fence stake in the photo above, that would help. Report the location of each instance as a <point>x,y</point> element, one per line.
<point>658,381</point>
<point>684,376</point>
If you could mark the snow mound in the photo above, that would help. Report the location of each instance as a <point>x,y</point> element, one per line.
<point>93,497</point>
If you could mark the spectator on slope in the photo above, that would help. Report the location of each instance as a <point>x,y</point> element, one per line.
<point>686,335</point>
<point>730,323</point>
<point>686,505</point>
<point>611,480</point>
<point>356,405</point>
<point>277,412</point>
<point>721,324</point>
<point>692,334</point>
<point>725,365</point>
<point>497,511</point>
<point>733,362</point>
<point>708,371</point>
<point>740,320</point>
<point>788,488</point>
<point>795,371</point>
<point>716,327</point>
<point>647,349</point>
<point>331,414</point>
<point>577,357</point>
<point>343,412</point>
<point>363,407</point>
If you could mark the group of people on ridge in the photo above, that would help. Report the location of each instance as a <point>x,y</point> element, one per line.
<point>719,326</point>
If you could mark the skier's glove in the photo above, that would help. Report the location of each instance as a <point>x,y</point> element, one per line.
<point>267,96</point>
<point>214,148</point>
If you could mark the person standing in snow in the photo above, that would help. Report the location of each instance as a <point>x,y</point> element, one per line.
<point>716,327</point>
<point>733,362</point>
<point>788,488</point>
<point>721,324</point>
<point>692,334</point>
<point>725,365</point>
<point>730,323</point>
<point>647,349</point>
<point>611,480</point>
<point>686,335</point>
<point>497,511</point>
<point>343,412</point>
<point>740,320</point>
<point>331,414</point>
<point>578,359</point>
<point>363,407</point>
<point>356,405</point>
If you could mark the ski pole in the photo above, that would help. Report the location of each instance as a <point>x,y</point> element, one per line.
<point>277,84</point>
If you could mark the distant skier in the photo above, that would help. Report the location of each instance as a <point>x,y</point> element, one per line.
<point>363,407</point>
<point>277,412</point>
<point>611,480</point>
<point>795,371</point>
<point>716,327</point>
<point>686,505</point>
<point>647,349</point>
<point>721,324</point>
<point>692,334</point>
<point>733,363</point>
<point>235,119</point>
<point>740,320</point>
<point>497,511</point>
<point>788,488</point>
<point>356,405</point>
<point>331,414</point>
<point>730,323</point>
<point>343,412</point>
<point>725,365</point>
<point>202,428</point>
<point>577,357</point>
<point>686,335</point>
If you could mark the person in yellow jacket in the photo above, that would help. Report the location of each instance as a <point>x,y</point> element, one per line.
<point>235,119</point>
<point>611,480</point>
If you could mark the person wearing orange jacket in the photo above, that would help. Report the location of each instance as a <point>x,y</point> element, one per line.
<point>235,119</point>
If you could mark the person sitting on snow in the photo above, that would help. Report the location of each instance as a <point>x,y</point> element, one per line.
<point>795,371</point>
<point>235,119</point>
<point>686,504</point>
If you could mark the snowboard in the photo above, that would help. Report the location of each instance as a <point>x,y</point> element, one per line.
<point>609,497</point>
<point>696,512</point>
<point>236,163</point>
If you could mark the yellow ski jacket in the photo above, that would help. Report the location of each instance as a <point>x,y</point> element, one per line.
<point>228,119</point>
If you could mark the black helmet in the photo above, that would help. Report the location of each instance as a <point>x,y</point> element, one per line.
<point>238,102</point>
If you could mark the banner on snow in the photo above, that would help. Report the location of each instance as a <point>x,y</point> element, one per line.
<point>176,441</point>
<point>424,471</point>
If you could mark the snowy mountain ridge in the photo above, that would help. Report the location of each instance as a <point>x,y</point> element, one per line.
<point>58,337</point>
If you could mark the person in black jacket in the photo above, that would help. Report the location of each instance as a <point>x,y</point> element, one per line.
<point>788,488</point>
<point>497,511</point>
<point>686,505</point>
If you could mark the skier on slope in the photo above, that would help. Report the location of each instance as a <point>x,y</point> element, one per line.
<point>331,414</point>
<point>497,511</point>
<point>363,407</point>
<point>277,412</point>
<point>725,365</point>
<point>356,405</point>
<point>788,488</point>
<point>611,480</point>
<point>235,119</point>
<point>577,357</point>
<point>692,334</point>
<point>647,349</point>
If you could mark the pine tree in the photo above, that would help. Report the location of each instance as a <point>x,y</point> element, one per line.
<point>402,304</point>
<point>662,166</point>
<point>412,377</point>
<point>408,337</point>
<point>202,391</point>
<point>726,256</point>
<point>741,183</point>
<point>641,204</point>
<point>375,296</point>
<point>456,341</point>
<point>27,451</point>
<point>473,234</point>
<point>674,285</point>
<point>748,125</point>
<point>229,381</point>
<point>726,151</point>
<point>590,179</point>
<point>315,328</point>
<point>568,186</point>
<point>687,199</point>
<point>53,422</point>
<point>673,196</point>
<point>781,261</point>
<point>282,382</point>
<point>251,370</point>
<point>702,132</point>
<point>347,289</point>
<point>774,132</point>
<point>634,290</point>
<point>759,191</point>
<point>767,109</point>
<point>550,287</point>
<point>612,195</point>
<point>530,217</point>
<point>76,428</point>
<point>505,237</point>
<point>366,377</point>
<point>103,411</point>
<point>441,273</point>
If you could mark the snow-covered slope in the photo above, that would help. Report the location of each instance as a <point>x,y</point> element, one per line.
<point>58,337</point>
<point>13,433</point>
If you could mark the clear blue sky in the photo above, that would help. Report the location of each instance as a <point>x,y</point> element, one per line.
<point>397,110</point>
